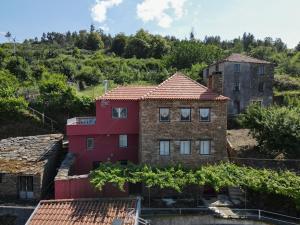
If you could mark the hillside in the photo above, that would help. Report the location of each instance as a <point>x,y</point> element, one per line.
<point>61,73</point>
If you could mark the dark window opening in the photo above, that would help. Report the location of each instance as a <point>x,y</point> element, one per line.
<point>261,87</point>
<point>164,114</point>
<point>123,162</point>
<point>119,113</point>
<point>236,107</point>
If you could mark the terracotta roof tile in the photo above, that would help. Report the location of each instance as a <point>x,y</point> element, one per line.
<point>84,211</point>
<point>127,93</point>
<point>178,86</point>
<point>235,57</point>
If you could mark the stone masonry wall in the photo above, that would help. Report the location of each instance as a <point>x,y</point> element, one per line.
<point>151,131</point>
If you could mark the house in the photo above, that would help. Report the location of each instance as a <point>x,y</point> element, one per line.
<point>123,211</point>
<point>28,165</point>
<point>244,80</point>
<point>178,121</point>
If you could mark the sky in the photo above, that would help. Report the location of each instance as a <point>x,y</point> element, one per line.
<point>227,18</point>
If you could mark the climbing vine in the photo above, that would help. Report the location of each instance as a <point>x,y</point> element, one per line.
<point>219,175</point>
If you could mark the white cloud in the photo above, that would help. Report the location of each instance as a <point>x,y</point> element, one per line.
<point>157,10</point>
<point>99,9</point>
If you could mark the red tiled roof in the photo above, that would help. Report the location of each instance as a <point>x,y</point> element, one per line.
<point>84,211</point>
<point>127,92</point>
<point>178,86</point>
<point>235,57</point>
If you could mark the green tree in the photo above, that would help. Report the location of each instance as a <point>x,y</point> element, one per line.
<point>118,44</point>
<point>137,47</point>
<point>159,47</point>
<point>19,67</point>
<point>276,129</point>
<point>94,41</point>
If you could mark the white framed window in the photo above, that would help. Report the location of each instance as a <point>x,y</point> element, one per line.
<point>205,147</point>
<point>90,143</point>
<point>185,114</point>
<point>119,113</point>
<point>26,187</point>
<point>123,141</point>
<point>204,114</point>
<point>237,68</point>
<point>261,70</point>
<point>164,114</point>
<point>185,147</point>
<point>164,147</point>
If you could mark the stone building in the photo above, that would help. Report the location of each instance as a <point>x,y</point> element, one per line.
<point>177,121</point>
<point>243,79</point>
<point>28,165</point>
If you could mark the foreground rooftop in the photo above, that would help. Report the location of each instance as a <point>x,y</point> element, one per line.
<point>86,211</point>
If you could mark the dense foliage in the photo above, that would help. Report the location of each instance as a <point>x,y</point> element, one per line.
<point>277,129</point>
<point>217,176</point>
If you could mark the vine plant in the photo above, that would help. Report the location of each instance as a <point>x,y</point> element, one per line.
<point>284,183</point>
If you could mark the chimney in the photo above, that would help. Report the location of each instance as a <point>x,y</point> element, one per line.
<point>105,82</point>
<point>215,82</point>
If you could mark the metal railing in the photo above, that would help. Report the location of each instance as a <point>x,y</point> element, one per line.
<point>82,121</point>
<point>45,119</point>
<point>243,214</point>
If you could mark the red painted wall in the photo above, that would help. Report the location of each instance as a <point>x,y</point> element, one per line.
<point>106,133</point>
<point>106,149</point>
<point>81,188</point>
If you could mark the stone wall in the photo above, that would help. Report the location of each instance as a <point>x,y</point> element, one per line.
<point>151,131</point>
<point>9,188</point>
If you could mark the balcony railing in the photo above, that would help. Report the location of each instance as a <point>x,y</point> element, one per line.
<point>82,121</point>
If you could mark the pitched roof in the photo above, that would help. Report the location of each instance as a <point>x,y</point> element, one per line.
<point>178,86</point>
<point>85,211</point>
<point>26,154</point>
<point>235,57</point>
<point>127,92</point>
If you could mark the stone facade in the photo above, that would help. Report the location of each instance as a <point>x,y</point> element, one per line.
<point>152,131</point>
<point>252,85</point>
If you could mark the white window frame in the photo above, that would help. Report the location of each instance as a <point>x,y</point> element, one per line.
<point>164,147</point>
<point>119,110</point>
<point>190,114</point>
<point>209,114</point>
<point>202,146</point>
<point>90,145</point>
<point>123,141</point>
<point>185,147</point>
<point>160,112</point>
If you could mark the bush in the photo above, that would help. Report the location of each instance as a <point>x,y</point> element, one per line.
<point>12,105</point>
<point>276,129</point>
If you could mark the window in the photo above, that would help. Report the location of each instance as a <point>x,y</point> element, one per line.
<point>164,147</point>
<point>261,87</point>
<point>185,147</point>
<point>237,68</point>
<point>119,113</point>
<point>207,72</point>
<point>185,114</point>
<point>164,114</point>
<point>123,162</point>
<point>236,107</point>
<point>236,86</point>
<point>204,114</point>
<point>261,70</point>
<point>96,164</point>
<point>90,143</point>
<point>26,187</point>
<point>205,147</point>
<point>1,177</point>
<point>123,141</point>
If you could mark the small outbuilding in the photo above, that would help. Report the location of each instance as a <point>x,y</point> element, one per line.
<point>28,166</point>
